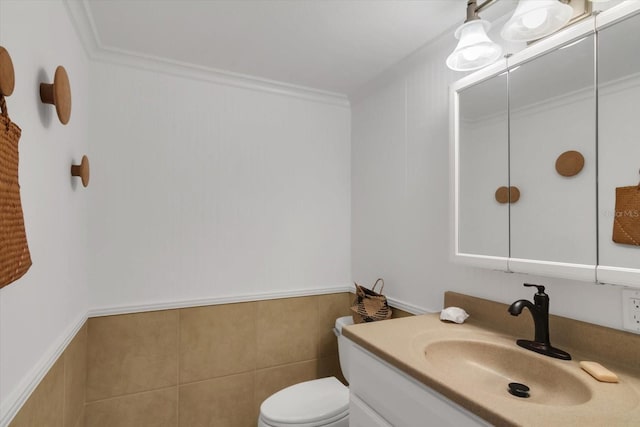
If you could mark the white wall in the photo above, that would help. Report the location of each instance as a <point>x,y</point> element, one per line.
<point>40,311</point>
<point>203,191</point>
<point>401,207</point>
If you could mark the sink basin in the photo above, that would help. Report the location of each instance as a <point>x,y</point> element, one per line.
<point>490,366</point>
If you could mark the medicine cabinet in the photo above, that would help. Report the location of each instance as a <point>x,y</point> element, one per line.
<point>618,142</point>
<point>570,99</point>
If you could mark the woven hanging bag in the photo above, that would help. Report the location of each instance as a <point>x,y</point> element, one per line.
<point>626,224</point>
<point>15,258</point>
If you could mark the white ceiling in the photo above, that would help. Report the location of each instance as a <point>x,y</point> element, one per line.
<point>332,45</point>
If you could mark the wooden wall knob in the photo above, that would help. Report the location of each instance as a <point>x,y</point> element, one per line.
<point>569,163</point>
<point>7,76</point>
<point>82,170</point>
<point>507,194</point>
<point>58,93</point>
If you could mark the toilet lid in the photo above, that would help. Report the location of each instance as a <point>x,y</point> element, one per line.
<point>311,403</point>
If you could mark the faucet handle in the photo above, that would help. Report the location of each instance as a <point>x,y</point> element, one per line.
<point>540,288</point>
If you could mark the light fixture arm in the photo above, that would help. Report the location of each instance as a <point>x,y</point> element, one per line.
<point>473,9</point>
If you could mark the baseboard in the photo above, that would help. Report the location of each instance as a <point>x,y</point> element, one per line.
<point>409,308</point>
<point>17,398</point>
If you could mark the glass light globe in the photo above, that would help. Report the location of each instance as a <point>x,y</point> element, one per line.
<point>475,49</point>
<point>534,19</point>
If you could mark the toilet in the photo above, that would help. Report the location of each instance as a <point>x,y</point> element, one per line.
<point>317,403</point>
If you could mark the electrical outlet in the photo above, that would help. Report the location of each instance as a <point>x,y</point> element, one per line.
<point>631,310</point>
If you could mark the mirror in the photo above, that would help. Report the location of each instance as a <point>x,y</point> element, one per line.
<point>483,155</point>
<point>568,144</point>
<point>553,110</point>
<point>619,145</point>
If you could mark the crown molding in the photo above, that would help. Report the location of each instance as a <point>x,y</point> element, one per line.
<point>96,50</point>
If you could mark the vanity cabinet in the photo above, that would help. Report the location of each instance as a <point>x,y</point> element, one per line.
<point>383,396</point>
<point>515,123</point>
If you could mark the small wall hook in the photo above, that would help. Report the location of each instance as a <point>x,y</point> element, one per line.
<point>82,171</point>
<point>58,93</point>
<point>7,76</point>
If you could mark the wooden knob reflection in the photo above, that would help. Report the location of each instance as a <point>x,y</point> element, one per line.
<point>507,194</point>
<point>569,163</point>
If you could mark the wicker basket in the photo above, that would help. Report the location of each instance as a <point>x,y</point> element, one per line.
<point>369,305</point>
<point>15,258</point>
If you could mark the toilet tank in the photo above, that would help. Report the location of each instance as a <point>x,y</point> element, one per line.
<point>344,345</point>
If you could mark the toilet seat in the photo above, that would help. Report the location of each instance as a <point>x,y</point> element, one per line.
<point>310,404</point>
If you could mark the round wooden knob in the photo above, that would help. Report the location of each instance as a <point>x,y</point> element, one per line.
<point>59,94</point>
<point>82,170</point>
<point>569,163</point>
<point>502,195</point>
<point>7,76</point>
<point>507,194</point>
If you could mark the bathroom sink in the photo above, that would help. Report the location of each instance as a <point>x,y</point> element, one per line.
<point>489,367</point>
<point>472,365</point>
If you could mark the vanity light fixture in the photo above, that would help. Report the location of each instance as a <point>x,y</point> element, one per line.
<point>532,20</point>
<point>475,49</point>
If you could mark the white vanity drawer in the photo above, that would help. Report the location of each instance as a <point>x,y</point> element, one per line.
<point>401,400</point>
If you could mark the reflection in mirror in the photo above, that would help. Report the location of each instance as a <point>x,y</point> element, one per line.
<point>553,110</point>
<point>483,168</point>
<point>618,135</point>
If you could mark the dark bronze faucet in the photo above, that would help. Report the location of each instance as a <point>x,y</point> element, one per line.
<point>540,311</point>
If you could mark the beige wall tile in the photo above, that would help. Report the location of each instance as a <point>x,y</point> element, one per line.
<point>75,377</point>
<point>80,421</point>
<point>217,340</point>
<point>270,380</point>
<point>330,367</point>
<point>131,353</point>
<point>149,409</point>
<point>44,406</point>
<point>330,307</point>
<point>120,358</point>
<point>220,402</point>
<point>287,331</point>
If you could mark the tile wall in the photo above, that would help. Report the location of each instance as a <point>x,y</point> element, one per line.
<point>58,401</point>
<point>200,366</point>
<point>209,365</point>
